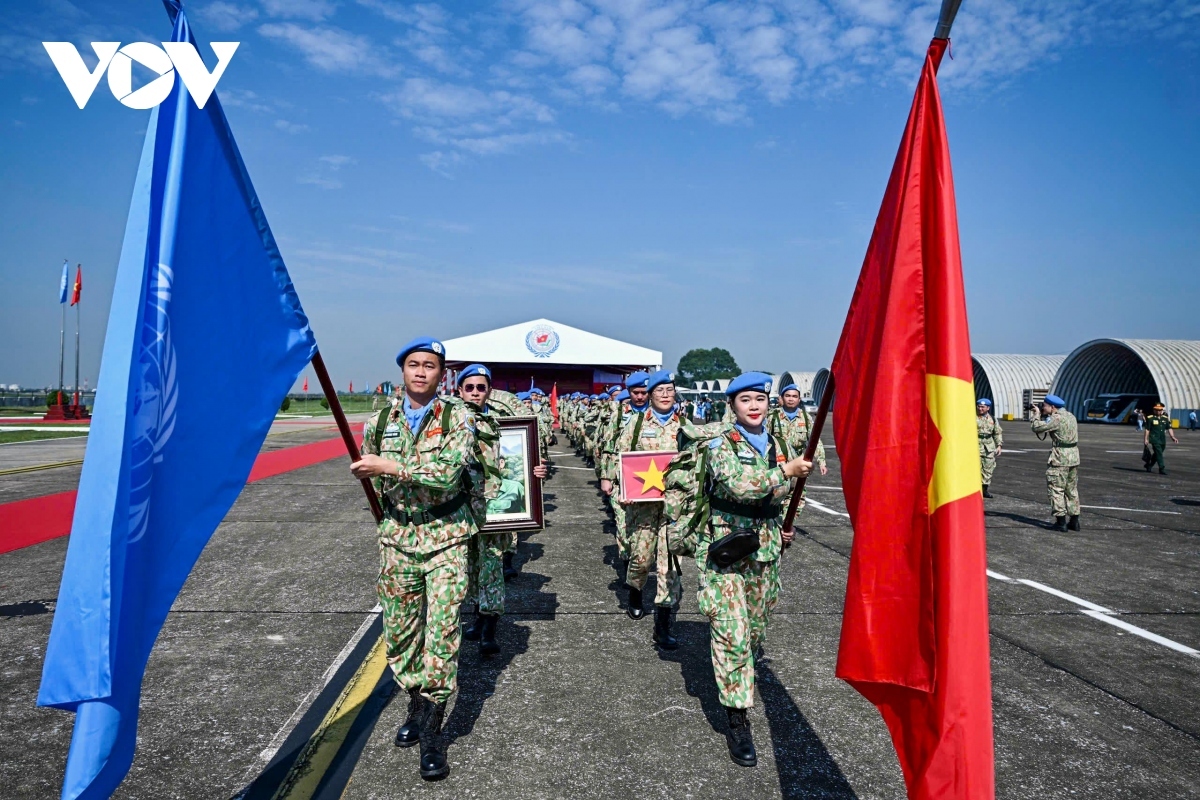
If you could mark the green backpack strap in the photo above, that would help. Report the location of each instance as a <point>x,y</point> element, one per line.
<point>637,428</point>
<point>380,428</point>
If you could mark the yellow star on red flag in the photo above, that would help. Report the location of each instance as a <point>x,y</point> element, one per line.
<point>652,478</point>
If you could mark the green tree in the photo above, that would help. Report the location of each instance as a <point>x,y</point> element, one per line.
<point>706,365</point>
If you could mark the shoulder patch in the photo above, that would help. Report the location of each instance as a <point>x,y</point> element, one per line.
<point>714,443</point>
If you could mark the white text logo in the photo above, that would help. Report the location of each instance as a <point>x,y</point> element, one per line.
<point>118,61</point>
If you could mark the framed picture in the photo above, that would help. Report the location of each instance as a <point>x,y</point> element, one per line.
<point>642,475</point>
<point>519,506</point>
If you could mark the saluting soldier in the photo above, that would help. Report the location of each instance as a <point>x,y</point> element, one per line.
<point>991,441</point>
<point>1158,427</point>
<point>418,463</point>
<point>1062,468</point>
<point>656,428</point>
<point>487,550</point>
<point>750,475</point>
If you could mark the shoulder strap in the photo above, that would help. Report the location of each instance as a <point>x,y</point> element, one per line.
<point>380,426</point>
<point>445,418</point>
<point>637,428</point>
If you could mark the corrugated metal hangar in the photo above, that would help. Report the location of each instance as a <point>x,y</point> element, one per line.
<point>1006,378</point>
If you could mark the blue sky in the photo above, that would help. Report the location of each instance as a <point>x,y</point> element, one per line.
<point>677,174</point>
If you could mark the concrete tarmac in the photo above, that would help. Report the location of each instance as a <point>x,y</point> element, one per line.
<point>581,704</point>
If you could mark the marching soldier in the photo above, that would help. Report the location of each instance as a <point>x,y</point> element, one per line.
<point>487,550</point>
<point>418,462</point>
<point>1158,427</point>
<point>790,423</point>
<point>1062,470</point>
<point>749,478</point>
<point>656,428</point>
<point>635,403</point>
<point>991,441</point>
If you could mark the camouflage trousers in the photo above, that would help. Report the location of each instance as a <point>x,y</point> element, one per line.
<point>646,527</point>
<point>421,595</point>
<point>486,557</point>
<point>738,603</point>
<point>987,467</point>
<point>1063,485</point>
<point>619,519</point>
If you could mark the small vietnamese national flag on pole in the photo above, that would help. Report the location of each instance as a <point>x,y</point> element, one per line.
<point>351,387</point>
<point>915,627</point>
<point>78,284</point>
<point>554,400</point>
<point>305,387</point>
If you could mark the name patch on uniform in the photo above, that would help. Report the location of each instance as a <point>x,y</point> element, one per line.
<point>391,431</point>
<point>649,434</point>
<point>745,459</point>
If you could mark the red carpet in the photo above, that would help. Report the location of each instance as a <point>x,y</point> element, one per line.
<point>27,522</point>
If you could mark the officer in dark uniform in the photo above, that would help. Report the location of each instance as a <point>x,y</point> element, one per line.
<point>1158,427</point>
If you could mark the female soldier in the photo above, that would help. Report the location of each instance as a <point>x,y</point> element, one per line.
<point>749,478</point>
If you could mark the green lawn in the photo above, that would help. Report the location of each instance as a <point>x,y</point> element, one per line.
<point>351,404</point>
<point>33,436</point>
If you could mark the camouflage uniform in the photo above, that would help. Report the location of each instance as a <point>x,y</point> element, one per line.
<point>738,600</point>
<point>423,565</point>
<point>607,467</point>
<point>1062,470</point>
<point>991,439</point>
<point>645,523</point>
<point>486,550</point>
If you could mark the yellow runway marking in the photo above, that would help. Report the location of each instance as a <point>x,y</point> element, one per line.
<point>37,467</point>
<point>314,760</point>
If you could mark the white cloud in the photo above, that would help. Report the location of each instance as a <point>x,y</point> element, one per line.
<point>290,127</point>
<point>314,10</point>
<point>331,49</point>
<point>336,162</point>
<point>225,16</point>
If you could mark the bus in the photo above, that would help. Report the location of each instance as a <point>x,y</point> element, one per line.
<point>1118,408</point>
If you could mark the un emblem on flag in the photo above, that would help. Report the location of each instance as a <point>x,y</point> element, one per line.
<point>542,341</point>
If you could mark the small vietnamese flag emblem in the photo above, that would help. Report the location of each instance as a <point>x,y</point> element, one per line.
<point>642,475</point>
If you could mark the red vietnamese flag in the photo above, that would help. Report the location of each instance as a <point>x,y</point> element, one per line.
<point>305,388</point>
<point>554,401</point>
<point>78,289</point>
<point>915,628</point>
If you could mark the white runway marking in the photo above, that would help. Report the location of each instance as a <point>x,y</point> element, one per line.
<point>1139,452</point>
<point>1101,613</point>
<point>823,488</point>
<point>1006,452</point>
<point>585,469</point>
<point>826,509</point>
<point>1138,510</point>
<point>55,429</point>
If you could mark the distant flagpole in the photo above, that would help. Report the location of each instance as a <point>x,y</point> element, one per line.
<point>62,329</point>
<point>76,297</point>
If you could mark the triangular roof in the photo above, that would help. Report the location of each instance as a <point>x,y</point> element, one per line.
<point>543,341</point>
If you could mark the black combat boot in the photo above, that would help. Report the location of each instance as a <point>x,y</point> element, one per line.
<point>634,610</point>
<point>510,571</point>
<point>472,631</point>
<point>434,766</point>
<point>1073,523</point>
<point>1060,524</point>
<point>662,628</point>
<point>410,732</point>
<point>1162,472</point>
<point>487,642</point>
<point>740,739</point>
<point>986,493</point>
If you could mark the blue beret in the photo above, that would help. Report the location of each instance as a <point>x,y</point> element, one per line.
<point>749,382</point>
<point>522,395</point>
<point>475,369</point>
<point>637,380</point>
<point>659,378</point>
<point>791,387</point>
<point>983,401</point>
<point>616,387</point>
<point>422,344</point>
<point>622,395</point>
<point>1055,400</point>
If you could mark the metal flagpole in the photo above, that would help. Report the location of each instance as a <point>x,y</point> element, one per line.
<point>946,18</point>
<point>62,345</point>
<point>78,303</point>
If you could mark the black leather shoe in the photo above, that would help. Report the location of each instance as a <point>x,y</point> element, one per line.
<point>634,610</point>
<point>740,739</point>
<point>410,732</point>
<point>471,632</point>
<point>510,571</point>
<point>1060,524</point>
<point>662,628</point>
<point>1149,467</point>
<point>1073,523</point>
<point>1162,472</point>
<point>434,766</point>
<point>986,493</point>
<point>487,642</point>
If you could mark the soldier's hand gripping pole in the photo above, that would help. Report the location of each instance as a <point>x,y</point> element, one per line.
<point>810,453</point>
<point>344,426</point>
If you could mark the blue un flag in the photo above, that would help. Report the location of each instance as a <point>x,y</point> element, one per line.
<point>203,308</point>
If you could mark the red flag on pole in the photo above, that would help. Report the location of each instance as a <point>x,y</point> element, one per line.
<point>554,401</point>
<point>915,628</point>
<point>78,289</point>
<point>351,387</point>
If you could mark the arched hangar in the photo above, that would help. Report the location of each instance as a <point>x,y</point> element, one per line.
<point>803,381</point>
<point>1104,380</point>
<point>1004,378</point>
<point>820,378</point>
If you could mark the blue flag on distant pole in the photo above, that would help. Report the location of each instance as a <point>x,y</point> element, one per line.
<point>203,307</point>
<point>62,285</point>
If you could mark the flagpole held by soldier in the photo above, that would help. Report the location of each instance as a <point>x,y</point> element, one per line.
<point>417,455</point>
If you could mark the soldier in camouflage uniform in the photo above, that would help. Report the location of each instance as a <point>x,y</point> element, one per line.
<point>656,428</point>
<point>749,479</point>
<point>487,550</point>
<point>991,442</point>
<point>620,414</point>
<point>1062,470</point>
<point>790,422</point>
<point>418,464</point>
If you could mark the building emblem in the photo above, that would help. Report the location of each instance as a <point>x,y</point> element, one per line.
<point>542,341</point>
